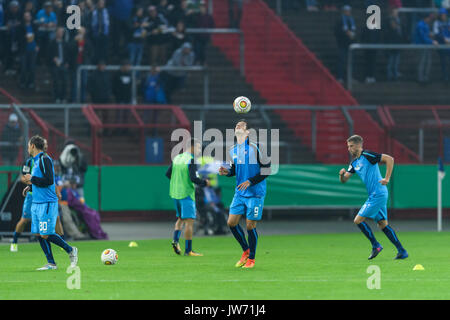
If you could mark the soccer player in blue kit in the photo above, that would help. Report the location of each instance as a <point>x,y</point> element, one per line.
<point>44,208</point>
<point>365,165</point>
<point>247,165</point>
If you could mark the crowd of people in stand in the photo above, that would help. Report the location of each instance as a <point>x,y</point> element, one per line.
<point>33,33</point>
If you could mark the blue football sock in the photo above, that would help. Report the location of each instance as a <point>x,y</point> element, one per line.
<point>252,241</point>
<point>46,247</point>
<point>15,236</point>
<point>390,233</point>
<point>56,239</point>
<point>188,247</point>
<point>369,234</point>
<point>176,235</point>
<point>238,233</point>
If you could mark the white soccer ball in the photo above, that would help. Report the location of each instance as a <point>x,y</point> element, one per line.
<point>242,104</point>
<point>109,256</point>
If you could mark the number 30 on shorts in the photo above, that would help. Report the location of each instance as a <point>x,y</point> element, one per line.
<point>43,226</point>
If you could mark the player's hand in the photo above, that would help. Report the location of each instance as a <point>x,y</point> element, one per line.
<point>384,181</point>
<point>208,182</point>
<point>342,172</point>
<point>25,191</point>
<point>27,178</point>
<point>223,171</point>
<point>244,185</point>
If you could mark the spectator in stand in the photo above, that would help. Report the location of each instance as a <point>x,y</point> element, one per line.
<point>100,31</point>
<point>46,21</point>
<point>60,12</point>
<point>59,53</point>
<point>80,51</point>
<point>394,35</point>
<point>201,41</point>
<point>179,13</point>
<point>174,80</point>
<point>441,30</point>
<point>120,16</point>
<point>13,21</point>
<point>370,36</point>
<point>11,136</point>
<point>30,7</point>
<point>121,89</point>
<point>345,32</point>
<point>153,88</point>
<point>137,37</point>
<point>423,36</point>
<point>235,12</point>
<point>166,9</point>
<point>157,25</point>
<point>99,87</point>
<point>395,4</point>
<point>28,51</point>
<point>311,5</point>
<point>99,84</point>
<point>177,38</point>
<point>330,5</point>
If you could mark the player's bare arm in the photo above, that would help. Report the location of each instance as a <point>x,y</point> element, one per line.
<point>344,175</point>
<point>389,161</point>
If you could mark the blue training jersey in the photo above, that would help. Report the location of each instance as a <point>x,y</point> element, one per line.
<point>246,165</point>
<point>366,166</point>
<point>43,179</point>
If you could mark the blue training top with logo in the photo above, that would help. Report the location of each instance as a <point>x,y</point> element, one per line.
<point>43,179</point>
<point>246,165</point>
<point>366,166</point>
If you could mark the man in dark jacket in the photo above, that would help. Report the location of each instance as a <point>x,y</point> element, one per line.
<point>28,49</point>
<point>99,86</point>
<point>81,52</point>
<point>394,35</point>
<point>204,20</point>
<point>59,64</point>
<point>345,32</point>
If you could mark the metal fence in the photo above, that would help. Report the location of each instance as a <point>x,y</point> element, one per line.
<point>424,130</point>
<point>418,48</point>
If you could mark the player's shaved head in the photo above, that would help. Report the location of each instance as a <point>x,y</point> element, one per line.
<point>355,139</point>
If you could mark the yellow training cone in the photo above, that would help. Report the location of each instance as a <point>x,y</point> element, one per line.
<point>418,267</point>
<point>133,244</point>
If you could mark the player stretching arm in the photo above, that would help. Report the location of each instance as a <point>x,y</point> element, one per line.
<point>365,164</point>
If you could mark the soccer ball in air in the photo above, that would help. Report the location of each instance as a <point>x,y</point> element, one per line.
<point>242,104</point>
<point>109,256</point>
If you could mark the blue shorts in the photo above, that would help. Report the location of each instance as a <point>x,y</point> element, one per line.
<point>43,217</point>
<point>251,207</point>
<point>26,209</point>
<point>375,208</point>
<point>185,208</point>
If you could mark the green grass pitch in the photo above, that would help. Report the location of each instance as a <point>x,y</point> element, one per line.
<point>316,266</point>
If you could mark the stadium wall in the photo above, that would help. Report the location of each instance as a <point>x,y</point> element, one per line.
<point>145,188</point>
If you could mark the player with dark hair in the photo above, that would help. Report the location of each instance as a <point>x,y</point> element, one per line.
<point>250,171</point>
<point>365,164</point>
<point>26,209</point>
<point>183,175</point>
<point>44,208</point>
